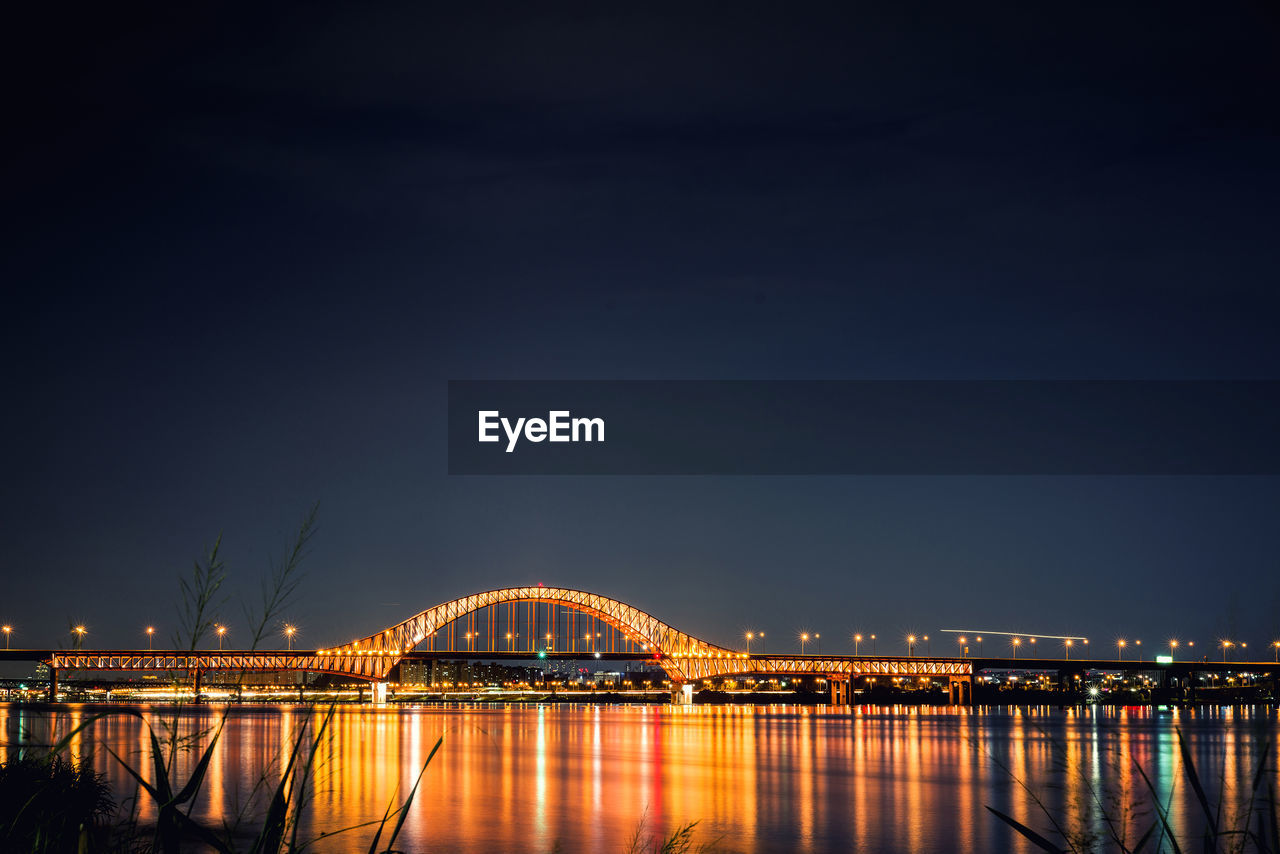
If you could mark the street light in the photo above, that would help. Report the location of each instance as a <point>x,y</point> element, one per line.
<point>151,631</point>
<point>750,635</point>
<point>8,630</point>
<point>222,631</point>
<point>1120,650</point>
<point>1139,653</point>
<point>80,632</point>
<point>857,639</point>
<point>1016,643</point>
<point>1173,644</point>
<point>911,645</point>
<point>1067,644</point>
<point>873,644</point>
<point>289,632</point>
<point>817,639</point>
<point>1274,644</point>
<point>1033,647</point>
<point>960,640</point>
<point>979,640</point>
<point>804,639</point>
<point>928,646</point>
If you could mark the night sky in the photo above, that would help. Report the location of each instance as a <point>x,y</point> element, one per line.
<point>246,252</point>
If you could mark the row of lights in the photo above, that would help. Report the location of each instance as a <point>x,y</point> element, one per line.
<point>80,631</point>
<point>290,631</point>
<point>1015,642</point>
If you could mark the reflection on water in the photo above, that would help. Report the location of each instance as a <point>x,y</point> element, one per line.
<point>521,778</point>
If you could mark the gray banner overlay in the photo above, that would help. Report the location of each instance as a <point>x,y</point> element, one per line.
<point>865,427</point>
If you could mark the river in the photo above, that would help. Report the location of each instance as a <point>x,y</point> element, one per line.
<point>756,779</point>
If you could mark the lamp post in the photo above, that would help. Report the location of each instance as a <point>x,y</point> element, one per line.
<point>979,640</point>
<point>79,632</point>
<point>928,647</point>
<point>151,632</point>
<point>804,639</point>
<point>1225,645</point>
<point>222,632</point>
<point>8,630</point>
<point>1032,641</point>
<point>1067,645</point>
<point>911,645</point>
<point>1017,642</point>
<point>1173,645</point>
<point>750,635</point>
<point>1138,644</point>
<point>289,632</point>
<point>873,644</point>
<point>857,639</point>
<point>1274,645</point>
<point>817,640</point>
<point>960,640</point>
<point>1120,650</point>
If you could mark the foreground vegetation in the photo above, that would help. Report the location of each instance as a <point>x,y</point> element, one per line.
<point>1249,823</point>
<point>53,802</point>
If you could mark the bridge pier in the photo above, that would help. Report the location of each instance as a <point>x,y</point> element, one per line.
<point>961,688</point>
<point>53,684</point>
<point>198,684</point>
<point>839,690</point>
<point>682,694</point>
<point>379,692</point>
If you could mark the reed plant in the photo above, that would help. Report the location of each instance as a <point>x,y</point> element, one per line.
<point>1247,822</point>
<point>52,802</point>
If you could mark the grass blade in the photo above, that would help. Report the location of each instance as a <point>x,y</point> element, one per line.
<point>307,771</point>
<point>408,802</point>
<point>272,835</point>
<point>197,776</point>
<point>1188,763</point>
<point>377,837</point>
<point>1146,837</point>
<point>1038,840</point>
<point>1163,813</point>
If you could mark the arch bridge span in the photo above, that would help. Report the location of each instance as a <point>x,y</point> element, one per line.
<point>373,657</point>
<point>685,658</point>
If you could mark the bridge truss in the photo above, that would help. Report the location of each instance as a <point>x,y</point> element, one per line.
<point>684,657</point>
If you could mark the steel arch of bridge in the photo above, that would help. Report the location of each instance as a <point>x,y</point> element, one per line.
<point>374,656</point>
<point>683,656</point>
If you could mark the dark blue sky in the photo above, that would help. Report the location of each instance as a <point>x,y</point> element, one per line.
<point>245,253</point>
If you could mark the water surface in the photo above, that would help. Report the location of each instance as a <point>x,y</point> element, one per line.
<point>759,779</point>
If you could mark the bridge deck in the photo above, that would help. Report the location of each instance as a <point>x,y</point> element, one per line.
<point>691,666</point>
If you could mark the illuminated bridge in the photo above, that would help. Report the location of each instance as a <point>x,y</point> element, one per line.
<point>530,622</point>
